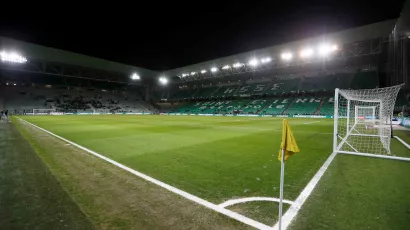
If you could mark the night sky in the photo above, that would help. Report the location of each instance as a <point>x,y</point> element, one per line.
<point>163,36</point>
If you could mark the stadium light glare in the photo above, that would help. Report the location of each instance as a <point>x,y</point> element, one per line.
<point>163,80</point>
<point>214,69</point>
<point>286,56</point>
<point>253,62</point>
<point>306,53</point>
<point>237,65</point>
<point>12,57</point>
<point>203,71</point>
<point>135,76</point>
<point>266,60</point>
<point>326,49</point>
<point>226,67</point>
<point>193,73</point>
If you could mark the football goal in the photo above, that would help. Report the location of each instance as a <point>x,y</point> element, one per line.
<point>362,121</point>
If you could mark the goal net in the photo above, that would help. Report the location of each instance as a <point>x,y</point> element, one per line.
<point>362,120</point>
<point>43,111</point>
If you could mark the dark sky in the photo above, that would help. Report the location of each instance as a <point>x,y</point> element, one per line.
<point>160,36</point>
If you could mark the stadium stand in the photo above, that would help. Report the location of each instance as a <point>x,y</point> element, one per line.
<point>254,106</point>
<point>206,92</point>
<point>226,91</point>
<point>277,106</point>
<point>21,100</point>
<point>251,89</point>
<point>365,80</point>
<point>304,106</point>
<point>327,108</point>
<point>284,86</point>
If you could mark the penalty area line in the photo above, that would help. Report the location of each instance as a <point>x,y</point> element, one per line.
<point>295,207</point>
<point>168,187</point>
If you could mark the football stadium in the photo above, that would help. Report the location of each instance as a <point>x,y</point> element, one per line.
<point>88,143</point>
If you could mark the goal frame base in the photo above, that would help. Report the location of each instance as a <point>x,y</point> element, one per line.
<point>375,155</point>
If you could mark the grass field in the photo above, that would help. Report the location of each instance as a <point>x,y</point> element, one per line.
<point>222,158</point>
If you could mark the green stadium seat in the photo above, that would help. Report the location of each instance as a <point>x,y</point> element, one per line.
<point>284,86</point>
<point>365,80</point>
<point>226,91</point>
<point>206,92</point>
<point>254,106</point>
<point>276,106</point>
<point>251,89</point>
<point>328,107</point>
<point>302,106</point>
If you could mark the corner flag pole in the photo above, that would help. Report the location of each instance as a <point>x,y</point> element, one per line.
<point>282,175</point>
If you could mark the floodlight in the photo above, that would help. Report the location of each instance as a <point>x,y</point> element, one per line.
<point>306,53</point>
<point>135,76</point>
<point>325,49</point>
<point>237,65</point>
<point>12,57</point>
<point>266,60</point>
<point>184,74</point>
<point>253,62</point>
<point>214,69</point>
<point>193,73</point>
<point>287,56</point>
<point>163,80</point>
<point>226,67</point>
<point>14,83</point>
<point>203,71</point>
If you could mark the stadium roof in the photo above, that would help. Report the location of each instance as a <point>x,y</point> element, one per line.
<point>37,52</point>
<point>367,32</point>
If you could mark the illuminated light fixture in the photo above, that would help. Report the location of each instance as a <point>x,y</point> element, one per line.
<point>12,57</point>
<point>253,62</point>
<point>135,76</point>
<point>286,56</point>
<point>237,65</point>
<point>266,60</point>
<point>163,80</point>
<point>7,83</point>
<point>184,74</point>
<point>226,67</point>
<point>193,73</point>
<point>203,71</point>
<point>325,49</point>
<point>14,83</point>
<point>214,69</point>
<point>306,53</point>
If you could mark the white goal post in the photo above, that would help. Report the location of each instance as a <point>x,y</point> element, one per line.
<point>362,121</point>
<point>43,111</point>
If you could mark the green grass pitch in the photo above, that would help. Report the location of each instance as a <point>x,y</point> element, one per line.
<point>221,158</point>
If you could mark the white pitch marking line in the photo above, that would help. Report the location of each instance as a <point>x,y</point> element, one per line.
<point>311,122</point>
<point>250,199</point>
<point>403,142</point>
<point>168,187</point>
<point>293,210</point>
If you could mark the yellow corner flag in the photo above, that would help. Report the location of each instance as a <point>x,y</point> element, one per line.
<point>288,142</point>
